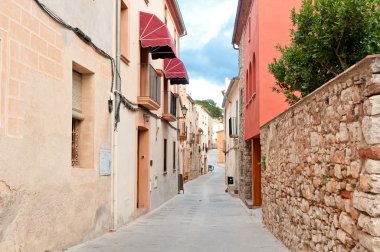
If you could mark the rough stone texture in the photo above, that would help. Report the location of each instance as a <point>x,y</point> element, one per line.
<point>367,202</point>
<point>369,225</point>
<point>372,166</point>
<point>244,153</point>
<point>372,106</point>
<point>371,129</point>
<point>321,179</point>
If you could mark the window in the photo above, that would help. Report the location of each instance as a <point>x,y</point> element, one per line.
<point>82,122</point>
<point>77,117</point>
<point>237,116</point>
<point>253,75</point>
<point>165,157</point>
<point>232,127</point>
<point>247,94</point>
<point>174,145</point>
<point>249,29</point>
<point>124,32</point>
<point>75,143</point>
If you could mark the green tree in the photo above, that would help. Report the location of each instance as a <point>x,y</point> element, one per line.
<point>211,107</point>
<point>327,37</point>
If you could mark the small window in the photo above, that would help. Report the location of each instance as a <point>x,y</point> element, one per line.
<point>75,143</point>
<point>76,118</point>
<point>82,126</point>
<point>124,32</point>
<point>165,155</point>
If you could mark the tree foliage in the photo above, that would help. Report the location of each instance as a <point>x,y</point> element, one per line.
<point>327,37</point>
<point>211,107</point>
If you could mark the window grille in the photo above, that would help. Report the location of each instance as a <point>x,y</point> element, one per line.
<point>75,143</point>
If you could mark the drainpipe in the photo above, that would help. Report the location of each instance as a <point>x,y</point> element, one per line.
<point>116,111</point>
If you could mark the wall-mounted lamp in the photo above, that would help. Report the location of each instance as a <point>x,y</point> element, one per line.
<point>184,111</point>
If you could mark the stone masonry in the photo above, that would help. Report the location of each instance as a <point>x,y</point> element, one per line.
<point>321,178</point>
<point>244,151</point>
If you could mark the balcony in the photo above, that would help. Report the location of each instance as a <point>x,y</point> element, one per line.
<point>233,127</point>
<point>170,114</point>
<point>150,91</point>
<point>183,132</point>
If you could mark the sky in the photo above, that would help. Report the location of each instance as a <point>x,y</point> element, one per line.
<point>206,50</point>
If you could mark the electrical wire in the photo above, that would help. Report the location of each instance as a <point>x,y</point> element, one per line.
<point>85,38</point>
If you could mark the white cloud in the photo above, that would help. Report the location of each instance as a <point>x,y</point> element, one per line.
<point>204,20</point>
<point>202,89</point>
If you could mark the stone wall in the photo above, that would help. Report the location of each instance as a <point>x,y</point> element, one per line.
<point>321,178</point>
<point>244,150</point>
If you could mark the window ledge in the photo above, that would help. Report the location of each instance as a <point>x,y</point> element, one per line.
<point>165,173</point>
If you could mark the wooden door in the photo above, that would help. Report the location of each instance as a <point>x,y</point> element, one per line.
<point>256,172</point>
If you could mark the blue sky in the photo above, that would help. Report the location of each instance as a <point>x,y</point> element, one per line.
<point>206,50</point>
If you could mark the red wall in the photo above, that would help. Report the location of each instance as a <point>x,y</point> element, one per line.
<point>270,25</point>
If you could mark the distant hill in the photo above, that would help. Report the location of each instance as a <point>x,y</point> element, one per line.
<point>210,105</point>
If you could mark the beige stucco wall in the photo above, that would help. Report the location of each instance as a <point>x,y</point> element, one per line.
<point>94,18</point>
<point>46,204</point>
<point>162,186</point>
<point>232,144</point>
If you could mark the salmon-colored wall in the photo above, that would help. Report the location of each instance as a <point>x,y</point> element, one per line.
<point>251,52</point>
<point>270,25</point>
<point>276,24</point>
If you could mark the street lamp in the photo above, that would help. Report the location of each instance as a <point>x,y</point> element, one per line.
<point>184,112</point>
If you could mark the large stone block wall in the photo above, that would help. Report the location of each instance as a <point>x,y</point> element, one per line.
<point>321,178</point>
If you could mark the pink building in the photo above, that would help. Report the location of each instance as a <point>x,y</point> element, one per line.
<point>259,27</point>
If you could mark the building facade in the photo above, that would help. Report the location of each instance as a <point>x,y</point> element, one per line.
<point>259,27</point>
<point>231,124</point>
<point>76,163</point>
<point>204,136</point>
<point>191,154</point>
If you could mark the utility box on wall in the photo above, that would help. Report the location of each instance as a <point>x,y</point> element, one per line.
<point>105,162</point>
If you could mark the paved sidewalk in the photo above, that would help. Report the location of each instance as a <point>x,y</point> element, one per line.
<point>204,219</point>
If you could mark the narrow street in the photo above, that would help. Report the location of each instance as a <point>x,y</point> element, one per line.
<point>205,218</point>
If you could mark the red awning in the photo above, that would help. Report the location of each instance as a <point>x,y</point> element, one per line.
<point>155,34</point>
<point>175,70</point>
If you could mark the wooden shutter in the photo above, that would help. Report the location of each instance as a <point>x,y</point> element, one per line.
<point>77,96</point>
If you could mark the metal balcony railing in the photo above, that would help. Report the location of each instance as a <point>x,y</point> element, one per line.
<point>154,85</point>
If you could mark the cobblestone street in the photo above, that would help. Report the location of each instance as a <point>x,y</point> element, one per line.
<point>205,218</point>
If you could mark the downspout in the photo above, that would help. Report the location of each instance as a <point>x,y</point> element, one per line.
<point>116,118</point>
<point>179,143</point>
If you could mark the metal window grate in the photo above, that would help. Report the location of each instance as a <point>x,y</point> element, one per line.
<point>75,143</point>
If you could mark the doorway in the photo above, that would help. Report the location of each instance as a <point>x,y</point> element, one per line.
<point>142,189</point>
<point>256,172</point>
